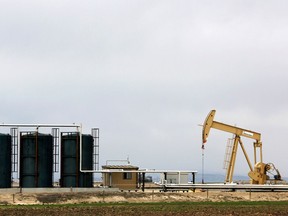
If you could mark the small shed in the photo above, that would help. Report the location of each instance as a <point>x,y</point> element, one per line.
<point>124,177</point>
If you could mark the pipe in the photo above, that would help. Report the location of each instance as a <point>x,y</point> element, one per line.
<point>41,125</point>
<point>78,128</point>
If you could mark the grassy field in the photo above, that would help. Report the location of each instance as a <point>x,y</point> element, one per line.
<point>152,209</point>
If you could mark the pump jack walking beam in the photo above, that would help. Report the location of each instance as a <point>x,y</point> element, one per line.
<point>209,123</point>
<point>238,132</point>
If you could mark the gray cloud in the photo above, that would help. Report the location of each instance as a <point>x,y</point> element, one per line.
<point>148,72</point>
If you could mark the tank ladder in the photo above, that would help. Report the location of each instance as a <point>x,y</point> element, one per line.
<point>55,134</point>
<point>228,152</point>
<point>95,135</point>
<point>15,151</point>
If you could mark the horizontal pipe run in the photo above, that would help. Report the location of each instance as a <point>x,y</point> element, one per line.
<point>40,125</point>
<point>225,186</point>
<point>139,171</point>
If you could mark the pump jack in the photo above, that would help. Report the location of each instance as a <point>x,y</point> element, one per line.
<point>258,175</point>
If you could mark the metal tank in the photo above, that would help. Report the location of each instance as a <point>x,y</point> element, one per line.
<point>36,160</point>
<point>5,160</point>
<point>70,160</point>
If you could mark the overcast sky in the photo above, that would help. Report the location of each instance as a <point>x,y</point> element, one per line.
<point>148,72</point>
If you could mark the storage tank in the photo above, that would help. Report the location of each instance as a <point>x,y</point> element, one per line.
<point>70,160</point>
<point>36,160</point>
<point>5,160</point>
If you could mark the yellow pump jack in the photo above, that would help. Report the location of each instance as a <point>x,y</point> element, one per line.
<point>258,175</point>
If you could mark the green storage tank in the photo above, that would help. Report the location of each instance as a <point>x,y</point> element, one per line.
<point>36,160</point>
<point>5,160</point>
<point>70,160</point>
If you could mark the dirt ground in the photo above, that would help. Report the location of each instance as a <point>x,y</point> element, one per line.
<point>136,197</point>
<point>143,203</point>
